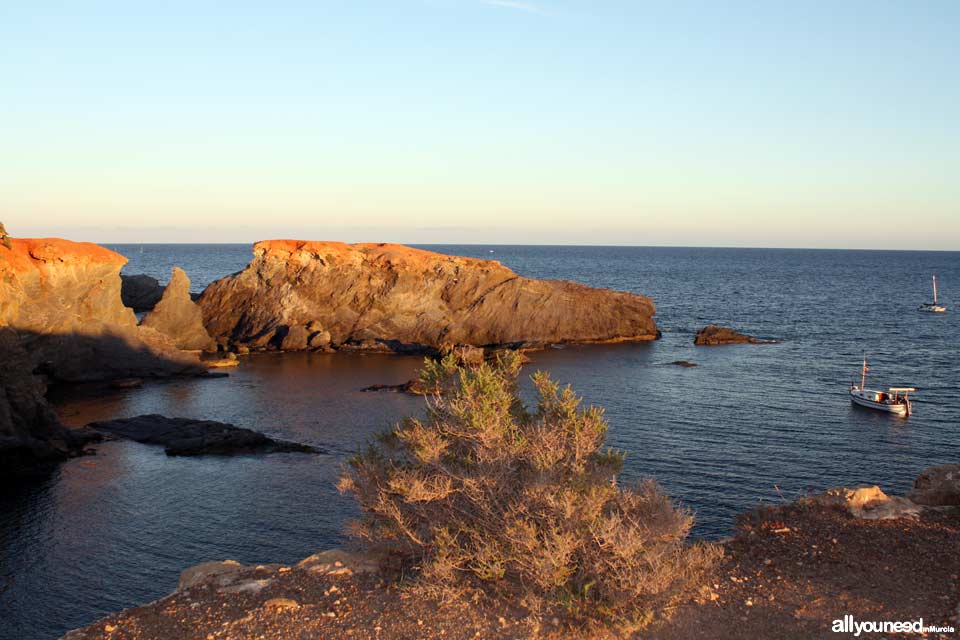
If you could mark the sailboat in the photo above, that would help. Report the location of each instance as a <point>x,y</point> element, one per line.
<point>933,306</point>
<point>894,400</point>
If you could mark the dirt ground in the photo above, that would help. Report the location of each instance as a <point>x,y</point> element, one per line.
<point>788,574</point>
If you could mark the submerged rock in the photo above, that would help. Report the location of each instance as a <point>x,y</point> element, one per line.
<point>716,335</point>
<point>937,486</point>
<point>186,437</point>
<point>413,387</point>
<point>178,317</point>
<point>140,292</point>
<point>304,295</point>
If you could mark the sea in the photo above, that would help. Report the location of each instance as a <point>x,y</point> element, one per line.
<point>750,425</point>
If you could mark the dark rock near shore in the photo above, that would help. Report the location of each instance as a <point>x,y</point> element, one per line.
<point>178,317</point>
<point>186,437</point>
<point>413,387</point>
<point>715,335</point>
<point>140,292</point>
<point>937,486</point>
<point>382,297</point>
<point>682,363</point>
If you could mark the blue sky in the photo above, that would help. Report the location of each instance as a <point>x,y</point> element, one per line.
<point>812,124</point>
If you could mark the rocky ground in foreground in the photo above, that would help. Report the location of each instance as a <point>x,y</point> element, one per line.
<point>789,572</point>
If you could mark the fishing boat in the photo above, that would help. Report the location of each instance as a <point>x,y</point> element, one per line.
<point>933,306</point>
<point>895,400</point>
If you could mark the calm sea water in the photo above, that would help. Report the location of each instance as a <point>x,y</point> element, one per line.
<point>752,424</point>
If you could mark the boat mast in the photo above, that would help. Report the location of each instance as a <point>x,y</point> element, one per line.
<point>934,289</point>
<point>863,374</point>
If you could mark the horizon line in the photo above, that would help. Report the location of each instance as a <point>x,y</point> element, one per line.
<point>595,246</point>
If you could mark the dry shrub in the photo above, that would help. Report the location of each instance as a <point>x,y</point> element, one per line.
<point>523,504</point>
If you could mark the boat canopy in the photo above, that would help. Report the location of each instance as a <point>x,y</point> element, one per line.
<point>901,389</point>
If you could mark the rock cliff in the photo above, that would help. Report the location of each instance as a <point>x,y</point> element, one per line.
<point>297,294</point>
<point>62,319</point>
<point>63,300</point>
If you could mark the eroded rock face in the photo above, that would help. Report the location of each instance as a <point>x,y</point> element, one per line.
<point>178,317</point>
<point>394,298</point>
<point>715,335</point>
<point>186,437</point>
<point>30,431</point>
<point>62,319</point>
<point>937,486</point>
<point>63,300</point>
<point>140,292</point>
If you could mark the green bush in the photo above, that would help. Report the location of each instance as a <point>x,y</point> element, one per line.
<point>484,493</point>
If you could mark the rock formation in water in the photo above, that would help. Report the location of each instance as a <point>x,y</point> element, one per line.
<point>714,335</point>
<point>178,317</point>
<point>297,295</point>
<point>140,292</point>
<point>62,319</point>
<point>937,487</point>
<point>186,437</point>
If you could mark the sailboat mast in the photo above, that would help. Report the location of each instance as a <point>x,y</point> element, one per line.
<point>934,289</point>
<point>863,374</point>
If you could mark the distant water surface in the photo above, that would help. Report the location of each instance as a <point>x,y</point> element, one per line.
<point>752,424</point>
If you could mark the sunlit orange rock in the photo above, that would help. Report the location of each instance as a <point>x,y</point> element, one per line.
<point>395,298</point>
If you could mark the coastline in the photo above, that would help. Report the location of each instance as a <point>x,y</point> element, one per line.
<point>798,568</point>
<point>660,413</point>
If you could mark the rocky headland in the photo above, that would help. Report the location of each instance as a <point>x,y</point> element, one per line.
<point>62,320</point>
<point>297,295</point>
<point>788,572</point>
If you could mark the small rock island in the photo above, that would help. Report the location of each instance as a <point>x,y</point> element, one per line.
<point>298,295</point>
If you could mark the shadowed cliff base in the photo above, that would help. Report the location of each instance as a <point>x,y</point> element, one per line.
<point>31,435</point>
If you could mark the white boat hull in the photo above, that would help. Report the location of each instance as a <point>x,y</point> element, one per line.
<point>933,308</point>
<point>867,399</point>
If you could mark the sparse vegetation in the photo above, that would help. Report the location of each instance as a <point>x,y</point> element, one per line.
<point>524,504</point>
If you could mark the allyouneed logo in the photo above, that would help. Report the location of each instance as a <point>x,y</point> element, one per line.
<point>849,625</point>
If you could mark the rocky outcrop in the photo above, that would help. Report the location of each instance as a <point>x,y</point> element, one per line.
<point>867,502</point>
<point>178,317</point>
<point>937,486</point>
<point>62,319</point>
<point>186,437</point>
<point>714,335</point>
<point>140,292</point>
<point>63,300</point>
<point>384,297</point>
<point>30,431</point>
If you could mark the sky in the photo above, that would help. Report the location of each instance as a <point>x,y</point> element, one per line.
<point>773,124</point>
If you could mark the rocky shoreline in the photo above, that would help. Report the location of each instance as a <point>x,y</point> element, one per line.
<point>68,316</point>
<point>795,568</point>
<point>62,321</point>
